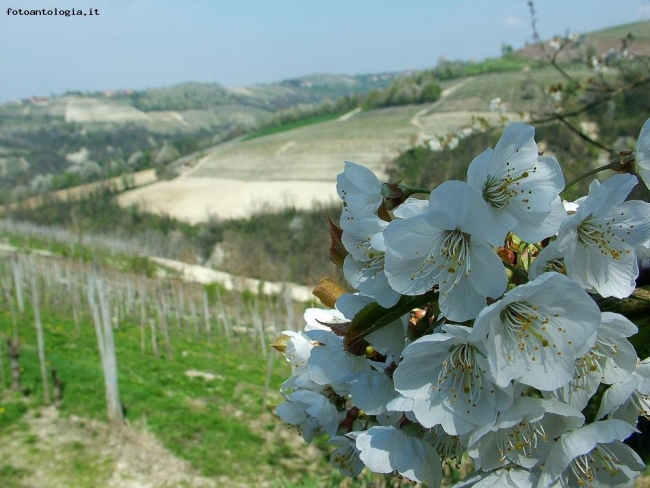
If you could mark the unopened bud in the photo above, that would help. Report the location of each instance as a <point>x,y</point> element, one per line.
<point>394,194</point>
<point>506,255</point>
<point>328,291</point>
<point>280,343</point>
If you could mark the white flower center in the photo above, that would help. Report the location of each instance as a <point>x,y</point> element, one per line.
<point>375,263</point>
<point>460,373</point>
<point>594,361</point>
<point>449,448</point>
<point>521,438</point>
<point>556,265</point>
<point>498,191</point>
<point>345,458</point>
<point>454,255</point>
<point>528,327</point>
<point>587,467</point>
<point>599,233</point>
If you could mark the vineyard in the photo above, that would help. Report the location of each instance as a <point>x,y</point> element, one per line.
<point>185,362</point>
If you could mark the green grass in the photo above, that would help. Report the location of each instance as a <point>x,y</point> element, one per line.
<point>639,30</point>
<point>519,90</point>
<point>316,152</point>
<point>207,422</point>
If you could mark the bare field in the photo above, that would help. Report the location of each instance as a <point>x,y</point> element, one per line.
<point>197,199</point>
<point>93,110</point>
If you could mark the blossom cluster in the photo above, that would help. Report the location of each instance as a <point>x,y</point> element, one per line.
<point>478,327</point>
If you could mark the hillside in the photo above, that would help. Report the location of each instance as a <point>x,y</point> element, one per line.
<point>597,42</point>
<point>296,167</point>
<point>53,143</point>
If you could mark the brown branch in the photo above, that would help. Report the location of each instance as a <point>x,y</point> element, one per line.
<point>582,135</point>
<point>596,103</point>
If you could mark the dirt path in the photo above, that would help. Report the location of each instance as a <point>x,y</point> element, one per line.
<point>430,108</point>
<point>45,450</point>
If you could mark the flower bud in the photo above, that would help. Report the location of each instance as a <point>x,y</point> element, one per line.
<point>328,291</point>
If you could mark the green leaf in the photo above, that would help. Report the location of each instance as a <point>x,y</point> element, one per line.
<point>373,316</point>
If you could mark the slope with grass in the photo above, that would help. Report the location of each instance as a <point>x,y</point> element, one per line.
<point>295,167</point>
<point>205,393</point>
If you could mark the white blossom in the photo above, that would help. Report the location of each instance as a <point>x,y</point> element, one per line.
<point>523,434</point>
<point>446,378</point>
<point>446,247</point>
<point>388,449</point>
<point>522,189</point>
<point>643,153</point>
<point>611,359</point>
<point>537,330</point>
<point>364,265</point>
<point>598,241</point>
<point>312,412</point>
<point>359,189</point>
<point>593,455</point>
<point>330,364</point>
<point>629,398</point>
<point>345,457</point>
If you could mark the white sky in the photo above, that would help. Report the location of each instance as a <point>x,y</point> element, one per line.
<point>152,43</point>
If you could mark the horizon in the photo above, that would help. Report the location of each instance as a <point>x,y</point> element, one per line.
<point>144,44</point>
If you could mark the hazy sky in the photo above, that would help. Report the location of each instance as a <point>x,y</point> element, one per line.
<point>152,43</point>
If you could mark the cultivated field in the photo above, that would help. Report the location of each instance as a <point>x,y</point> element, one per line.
<point>93,110</point>
<point>297,167</point>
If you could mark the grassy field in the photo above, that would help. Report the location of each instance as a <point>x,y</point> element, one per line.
<point>316,152</point>
<point>639,30</point>
<point>210,403</point>
<point>520,91</point>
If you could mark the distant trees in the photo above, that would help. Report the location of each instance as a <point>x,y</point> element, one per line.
<point>420,88</point>
<point>303,111</point>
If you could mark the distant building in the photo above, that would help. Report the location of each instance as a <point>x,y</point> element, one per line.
<point>39,100</point>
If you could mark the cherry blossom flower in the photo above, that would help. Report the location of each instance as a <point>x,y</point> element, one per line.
<point>593,455</point>
<point>522,189</point>
<point>537,330</point>
<point>446,378</point>
<point>610,360</point>
<point>312,412</point>
<point>359,189</point>
<point>629,398</point>
<point>643,153</point>
<point>386,449</point>
<point>345,457</point>
<point>330,364</point>
<point>598,241</point>
<point>446,247</point>
<point>511,364</point>
<point>523,434</point>
<point>364,265</point>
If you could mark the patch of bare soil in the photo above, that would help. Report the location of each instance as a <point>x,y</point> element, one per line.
<point>47,451</point>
